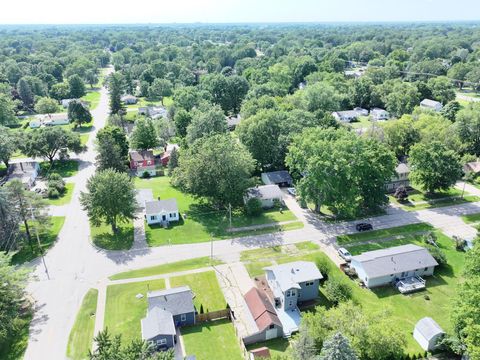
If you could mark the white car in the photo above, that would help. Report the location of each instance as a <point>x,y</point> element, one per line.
<point>345,254</point>
<point>292,191</point>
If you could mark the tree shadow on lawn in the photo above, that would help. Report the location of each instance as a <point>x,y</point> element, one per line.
<point>122,240</point>
<point>213,220</point>
<point>65,168</point>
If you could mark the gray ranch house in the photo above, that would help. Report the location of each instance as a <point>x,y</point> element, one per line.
<point>161,212</point>
<point>401,265</point>
<point>267,194</point>
<point>167,310</point>
<point>24,171</point>
<point>431,105</point>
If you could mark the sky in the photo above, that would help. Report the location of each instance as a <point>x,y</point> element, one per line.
<point>228,11</point>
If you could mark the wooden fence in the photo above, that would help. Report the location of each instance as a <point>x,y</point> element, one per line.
<point>212,315</point>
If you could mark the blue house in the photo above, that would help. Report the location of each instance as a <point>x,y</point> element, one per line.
<point>167,310</point>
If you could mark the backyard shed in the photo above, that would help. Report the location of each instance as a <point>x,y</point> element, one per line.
<point>427,333</point>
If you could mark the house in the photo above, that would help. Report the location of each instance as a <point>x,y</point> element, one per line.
<point>154,112</point>
<point>49,120</point>
<point>263,313</point>
<point>281,178</point>
<point>387,266</point>
<point>167,152</point>
<point>379,114</point>
<point>431,105</point>
<point>142,162</point>
<point>129,99</point>
<point>167,310</point>
<point>161,211</point>
<point>268,195</point>
<point>233,121</point>
<point>350,115</point>
<point>472,168</point>
<point>402,171</point>
<point>291,284</point>
<point>26,171</point>
<point>428,333</point>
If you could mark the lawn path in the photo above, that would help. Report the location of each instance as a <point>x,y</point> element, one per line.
<point>100,313</point>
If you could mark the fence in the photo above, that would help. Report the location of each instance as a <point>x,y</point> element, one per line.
<point>213,315</point>
<point>243,349</point>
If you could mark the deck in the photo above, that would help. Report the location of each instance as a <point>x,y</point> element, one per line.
<point>411,284</point>
<point>290,320</point>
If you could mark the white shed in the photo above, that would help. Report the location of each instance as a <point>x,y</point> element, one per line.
<point>427,333</point>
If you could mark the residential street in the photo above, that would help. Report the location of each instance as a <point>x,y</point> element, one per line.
<point>75,265</point>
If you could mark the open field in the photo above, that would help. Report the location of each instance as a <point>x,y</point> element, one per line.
<point>81,335</point>
<point>123,311</point>
<point>213,340</point>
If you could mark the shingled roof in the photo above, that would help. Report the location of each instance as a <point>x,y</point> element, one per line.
<point>261,309</point>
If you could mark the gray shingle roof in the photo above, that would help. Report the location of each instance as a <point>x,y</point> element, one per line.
<point>278,177</point>
<point>157,322</point>
<point>265,192</point>
<point>394,260</point>
<point>158,206</point>
<point>290,274</point>
<point>402,168</point>
<point>428,328</point>
<point>178,300</point>
<point>430,103</point>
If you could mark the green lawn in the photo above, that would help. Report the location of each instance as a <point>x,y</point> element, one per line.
<point>363,122</point>
<point>203,222</point>
<point>123,311</point>
<point>277,347</point>
<point>66,168</point>
<point>167,268</point>
<point>81,335</point>
<point>15,344</point>
<point>212,340</point>
<point>102,236</point>
<point>206,289</point>
<point>449,197</point>
<point>472,218</point>
<point>384,233</point>
<point>65,198</point>
<point>47,238</point>
<point>93,97</point>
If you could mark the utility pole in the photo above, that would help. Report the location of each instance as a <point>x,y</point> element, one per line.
<point>211,249</point>
<point>230,214</point>
<point>39,245</point>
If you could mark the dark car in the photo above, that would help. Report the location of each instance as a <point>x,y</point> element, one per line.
<point>364,227</point>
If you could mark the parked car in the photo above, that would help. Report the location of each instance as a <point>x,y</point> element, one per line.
<point>364,227</point>
<point>292,191</point>
<point>345,254</point>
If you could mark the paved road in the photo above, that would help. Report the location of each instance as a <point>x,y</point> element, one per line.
<point>75,265</point>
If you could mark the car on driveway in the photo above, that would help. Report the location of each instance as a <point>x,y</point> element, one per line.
<point>364,227</point>
<point>345,254</point>
<point>292,191</point>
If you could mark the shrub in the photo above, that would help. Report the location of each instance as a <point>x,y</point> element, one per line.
<point>324,266</point>
<point>337,291</point>
<point>56,186</point>
<point>430,238</point>
<point>145,175</point>
<point>438,255</point>
<point>459,243</point>
<point>401,194</point>
<point>253,207</point>
<point>53,193</point>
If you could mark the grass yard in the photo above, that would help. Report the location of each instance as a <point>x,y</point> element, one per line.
<point>93,97</point>
<point>206,289</point>
<point>277,347</point>
<point>362,122</point>
<point>47,239</point>
<point>419,199</point>
<point>66,168</point>
<point>212,340</point>
<point>384,233</point>
<point>123,311</point>
<point>472,218</point>
<point>202,222</point>
<point>84,139</point>
<point>81,335</point>
<point>103,237</point>
<point>167,268</point>
<point>65,198</point>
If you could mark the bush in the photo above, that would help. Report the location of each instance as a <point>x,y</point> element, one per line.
<point>401,194</point>
<point>324,266</point>
<point>53,193</point>
<point>459,243</point>
<point>253,207</point>
<point>430,238</point>
<point>56,186</point>
<point>438,255</point>
<point>337,291</point>
<point>145,175</point>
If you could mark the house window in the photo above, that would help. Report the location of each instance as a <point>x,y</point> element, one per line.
<point>153,217</point>
<point>391,274</point>
<point>172,215</point>
<point>162,342</point>
<point>425,269</point>
<point>309,283</point>
<point>183,317</point>
<point>287,294</point>
<point>272,326</point>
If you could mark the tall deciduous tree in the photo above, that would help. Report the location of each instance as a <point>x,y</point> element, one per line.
<point>78,113</point>
<point>9,221</point>
<point>76,86</point>
<point>50,141</point>
<point>160,89</point>
<point>206,122</point>
<point>110,198</point>
<point>217,168</point>
<point>8,145</point>
<point>401,135</point>
<point>115,88</point>
<point>117,134</point>
<point>434,166</point>
<point>144,136</point>
<point>7,110</point>
<point>468,128</point>
<point>25,92</point>
<point>46,105</point>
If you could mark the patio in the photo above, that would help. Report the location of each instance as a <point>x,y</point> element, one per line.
<point>410,284</point>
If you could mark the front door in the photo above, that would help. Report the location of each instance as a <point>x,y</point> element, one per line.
<point>164,217</point>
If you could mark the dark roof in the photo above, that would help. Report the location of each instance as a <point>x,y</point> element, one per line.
<point>157,322</point>
<point>142,155</point>
<point>278,177</point>
<point>261,309</point>
<point>158,206</point>
<point>178,300</point>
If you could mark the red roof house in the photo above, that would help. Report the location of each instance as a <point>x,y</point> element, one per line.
<point>142,161</point>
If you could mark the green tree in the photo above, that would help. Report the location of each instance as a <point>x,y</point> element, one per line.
<point>8,144</point>
<point>345,173</point>
<point>206,121</point>
<point>217,168</point>
<point>46,105</point>
<point>451,109</point>
<point>78,113</point>
<point>109,155</point>
<point>401,135</point>
<point>442,89</point>
<point>12,296</point>
<point>337,347</point>
<point>7,110</point>
<point>9,221</point>
<point>402,98</point>
<point>25,92</point>
<point>60,91</point>
<point>110,198</point>
<point>434,166</point>
<point>50,141</point>
<point>160,89</point>
<point>337,291</point>
<point>76,86</point>
<point>144,136</point>
<point>173,161</point>
<point>303,347</point>
<point>115,85</point>
<point>182,119</point>
<point>467,126</point>
<point>117,134</point>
